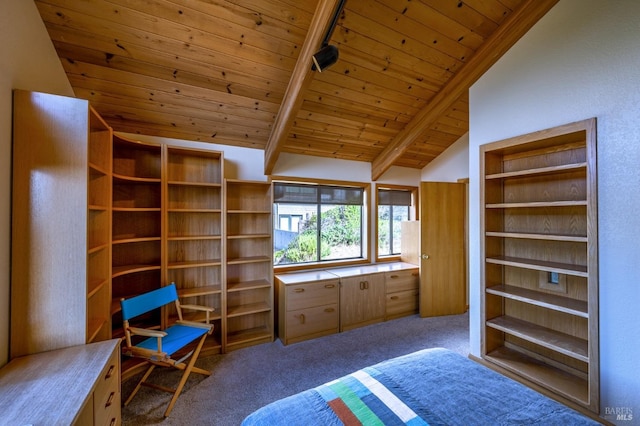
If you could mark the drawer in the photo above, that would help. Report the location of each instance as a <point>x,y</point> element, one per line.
<point>301,296</point>
<point>408,279</point>
<point>401,303</point>
<point>106,397</point>
<point>312,320</point>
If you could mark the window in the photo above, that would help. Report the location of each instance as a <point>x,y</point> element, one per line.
<point>328,223</point>
<point>394,206</point>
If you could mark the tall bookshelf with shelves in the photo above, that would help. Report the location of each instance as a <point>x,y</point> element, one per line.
<point>99,229</point>
<point>194,233</point>
<point>540,261</point>
<point>249,263</point>
<point>136,241</point>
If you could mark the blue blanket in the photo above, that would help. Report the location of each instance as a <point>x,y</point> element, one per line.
<point>428,387</point>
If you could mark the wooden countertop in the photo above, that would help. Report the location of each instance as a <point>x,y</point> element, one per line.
<point>51,387</point>
<point>349,271</point>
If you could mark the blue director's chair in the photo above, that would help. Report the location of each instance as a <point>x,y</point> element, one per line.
<point>161,345</point>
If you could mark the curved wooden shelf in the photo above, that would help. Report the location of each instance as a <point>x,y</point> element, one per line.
<point>131,269</point>
<point>135,179</point>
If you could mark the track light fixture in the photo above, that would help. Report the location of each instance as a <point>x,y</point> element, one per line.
<point>324,58</point>
<point>328,54</point>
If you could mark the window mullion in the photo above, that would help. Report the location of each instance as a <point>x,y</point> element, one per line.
<point>319,228</point>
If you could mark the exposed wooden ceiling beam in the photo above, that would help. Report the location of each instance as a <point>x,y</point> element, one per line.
<point>514,27</point>
<point>299,82</point>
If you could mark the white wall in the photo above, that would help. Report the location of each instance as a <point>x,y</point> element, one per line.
<point>27,61</point>
<point>581,60</point>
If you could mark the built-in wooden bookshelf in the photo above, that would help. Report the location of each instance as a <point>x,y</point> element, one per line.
<point>540,260</point>
<point>61,198</point>
<point>193,218</point>
<point>136,240</point>
<point>249,264</point>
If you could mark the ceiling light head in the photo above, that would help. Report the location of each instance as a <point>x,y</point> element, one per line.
<point>324,58</point>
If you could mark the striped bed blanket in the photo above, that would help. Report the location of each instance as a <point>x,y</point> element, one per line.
<point>429,387</point>
<point>362,398</point>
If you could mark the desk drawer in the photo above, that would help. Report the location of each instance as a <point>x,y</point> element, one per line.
<point>312,320</point>
<point>408,279</point>
<point>106,397</point>
<point>301,296</point>
<point>401,303</point>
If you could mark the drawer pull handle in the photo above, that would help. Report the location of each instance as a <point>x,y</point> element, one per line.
<point>394,297</point>
<point>415,274</point>
<point>329,310</point>
<point>302,318</point>
<point>110,372</point>
<point>110,400</point>
<point>329,286</point>
<point>393,276</point>
<point>113,422</point>
<point>299,290</point>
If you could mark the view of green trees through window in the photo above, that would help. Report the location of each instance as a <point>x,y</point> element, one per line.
<point>328,223</point>
<point>393,209</point>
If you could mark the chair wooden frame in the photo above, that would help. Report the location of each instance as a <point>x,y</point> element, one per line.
<point>161,345</point>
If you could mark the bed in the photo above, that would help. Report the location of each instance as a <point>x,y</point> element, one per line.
<point>428,387</point>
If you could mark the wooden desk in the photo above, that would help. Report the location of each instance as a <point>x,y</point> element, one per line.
<point>75,385</point>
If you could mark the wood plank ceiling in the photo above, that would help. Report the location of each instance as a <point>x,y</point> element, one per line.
<point>227,71</point>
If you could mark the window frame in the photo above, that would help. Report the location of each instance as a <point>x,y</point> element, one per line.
<point>413,215</point>
<point>366,225</point>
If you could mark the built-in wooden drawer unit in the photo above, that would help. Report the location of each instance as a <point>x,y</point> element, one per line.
<point>312,294</point>
<point>308,305</point>
<point>311,322</point>
<point>106,397</point>
<point>401,303</point>
<point>407,279</point>
<point>402,292</point>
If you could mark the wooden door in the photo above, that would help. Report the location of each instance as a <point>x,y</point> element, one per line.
<point>442,249</point>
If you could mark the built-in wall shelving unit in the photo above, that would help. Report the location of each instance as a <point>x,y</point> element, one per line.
<point>99,229</point>
<point>249,263</point>
<point>194,233</point>
<point>540,260</point>
<point>61,200</point>
<point>137,223</point>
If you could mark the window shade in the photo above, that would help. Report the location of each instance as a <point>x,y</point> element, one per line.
<point>308,194</point>
<point>394,197</point>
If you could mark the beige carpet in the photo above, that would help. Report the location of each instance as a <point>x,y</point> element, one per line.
<point>246,379</point>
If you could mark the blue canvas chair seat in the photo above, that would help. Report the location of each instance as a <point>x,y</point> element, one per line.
<point>160,345</point>
<point>178,336</point>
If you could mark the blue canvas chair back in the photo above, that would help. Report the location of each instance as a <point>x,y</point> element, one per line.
<point>146,302</point>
